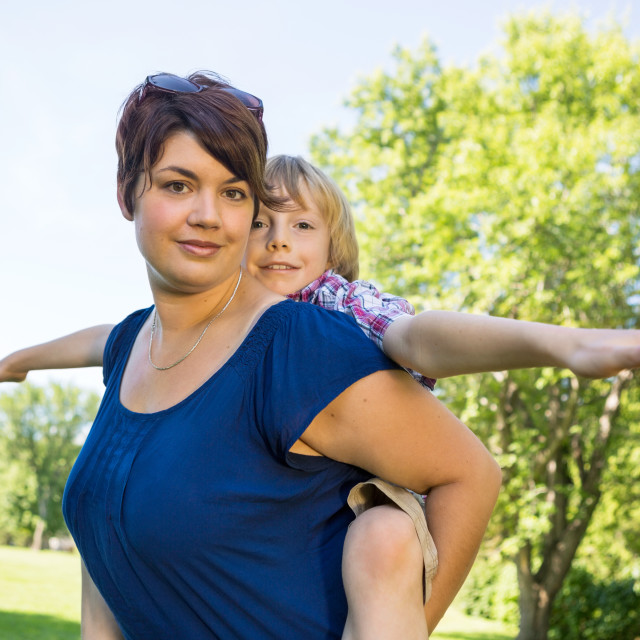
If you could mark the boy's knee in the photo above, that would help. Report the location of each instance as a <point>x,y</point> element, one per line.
<point>383,539</point>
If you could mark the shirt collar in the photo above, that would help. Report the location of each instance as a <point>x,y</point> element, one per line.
<point>307,292</point>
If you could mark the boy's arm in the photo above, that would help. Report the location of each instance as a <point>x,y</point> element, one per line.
<point>81,349</point>
<point>447,343</point>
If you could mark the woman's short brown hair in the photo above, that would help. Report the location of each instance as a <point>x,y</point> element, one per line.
<point>290,173</point>
<point>222,124</point>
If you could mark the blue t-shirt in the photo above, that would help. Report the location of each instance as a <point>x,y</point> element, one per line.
<point>196,521</point>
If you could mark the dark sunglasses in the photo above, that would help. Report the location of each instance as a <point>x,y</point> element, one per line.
<point>175,84</point>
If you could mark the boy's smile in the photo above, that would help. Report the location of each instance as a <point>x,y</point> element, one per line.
<point>287,250</point>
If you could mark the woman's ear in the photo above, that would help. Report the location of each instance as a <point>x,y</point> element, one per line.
<point>123,207</point>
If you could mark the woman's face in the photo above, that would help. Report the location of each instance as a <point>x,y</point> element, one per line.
<point>193,223</point>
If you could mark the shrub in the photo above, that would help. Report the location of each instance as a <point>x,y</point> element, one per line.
<point>491,591</point>
<point>588,609</point>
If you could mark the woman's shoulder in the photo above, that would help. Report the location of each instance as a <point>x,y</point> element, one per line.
<point>292,331</point>
<point>121,339</point>
<point>306,329</point>
<point>305,318</point>
<point>130,325</point>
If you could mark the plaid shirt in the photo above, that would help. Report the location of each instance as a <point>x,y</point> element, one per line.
<point>373,311</point>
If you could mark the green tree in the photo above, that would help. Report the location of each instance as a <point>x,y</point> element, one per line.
<point>611,548</point>
<point>40,429</point>
<point>513,189</point>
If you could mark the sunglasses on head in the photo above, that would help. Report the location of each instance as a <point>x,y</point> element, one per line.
<point>175,84</point>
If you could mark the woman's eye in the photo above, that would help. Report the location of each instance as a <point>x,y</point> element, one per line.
<point>258,224</point>
<point>234,194</point>
<point>304,225</point>
<point>177,187</point>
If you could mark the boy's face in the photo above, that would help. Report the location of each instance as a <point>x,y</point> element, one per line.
<point>287,250</point>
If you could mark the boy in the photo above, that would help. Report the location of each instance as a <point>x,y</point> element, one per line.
<point>309,252</point>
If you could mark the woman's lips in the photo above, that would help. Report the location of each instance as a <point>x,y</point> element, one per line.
<point>199,248</point>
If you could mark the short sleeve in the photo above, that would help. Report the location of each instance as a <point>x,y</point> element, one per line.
<point>314,356</point>
<point>375,312</point>
<point>119,342</point>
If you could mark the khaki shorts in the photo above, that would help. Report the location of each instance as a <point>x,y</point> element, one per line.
<point>375,492</point>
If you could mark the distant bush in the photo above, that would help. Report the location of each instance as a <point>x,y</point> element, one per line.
<point>588,609</point>
<point>585,609</point>
<point>491,591</point>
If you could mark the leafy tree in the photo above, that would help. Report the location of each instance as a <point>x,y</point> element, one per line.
<point>611,548</point>
<point>40,430</point>
<point>513,189</point>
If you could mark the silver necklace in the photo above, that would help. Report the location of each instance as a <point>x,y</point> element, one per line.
<point>186,355</point>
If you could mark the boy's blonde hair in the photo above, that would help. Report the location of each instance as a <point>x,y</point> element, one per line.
<point>290,173</point>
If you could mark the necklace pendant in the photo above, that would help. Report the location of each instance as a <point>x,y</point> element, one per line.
<point>186,355</point>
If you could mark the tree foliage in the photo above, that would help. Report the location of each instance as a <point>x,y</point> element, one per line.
<point>513,189</point>
<point>40,429</point>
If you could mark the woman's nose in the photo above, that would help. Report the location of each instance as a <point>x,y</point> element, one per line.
<point>205,213</point>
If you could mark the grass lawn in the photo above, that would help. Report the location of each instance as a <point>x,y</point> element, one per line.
<point>39,595</point>
<point>40,600</point>
<point>457,626</point>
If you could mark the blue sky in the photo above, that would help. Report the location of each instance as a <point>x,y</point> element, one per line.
<point>67,257</point>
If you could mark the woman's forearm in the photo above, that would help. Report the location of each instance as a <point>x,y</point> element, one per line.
<point>98,623</point>
<point>457,516</point>
<point>389,425</point>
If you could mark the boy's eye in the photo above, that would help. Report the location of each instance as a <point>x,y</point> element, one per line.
<point>304,225</point>
<point>258,224</point>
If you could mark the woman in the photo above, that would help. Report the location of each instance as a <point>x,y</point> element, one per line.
<point>209,500</point>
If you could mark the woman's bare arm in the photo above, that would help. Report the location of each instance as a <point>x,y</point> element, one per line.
<point>80,349</point>
<point>392,427</point>
<point>98,622</point>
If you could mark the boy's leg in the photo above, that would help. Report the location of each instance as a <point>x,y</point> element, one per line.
<point>382,571</point>
<point>389,562</point>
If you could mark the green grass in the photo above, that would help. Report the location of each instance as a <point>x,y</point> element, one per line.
<point>457,626</point>
<point>40,600</point>
<point>39,595</point>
